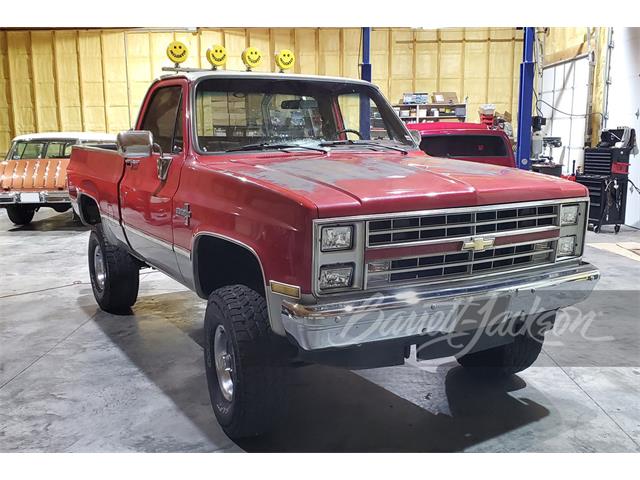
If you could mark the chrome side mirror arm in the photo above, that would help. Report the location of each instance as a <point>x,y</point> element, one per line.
<point>163,163</point>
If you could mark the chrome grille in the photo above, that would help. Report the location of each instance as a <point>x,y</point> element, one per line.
<point>419,228</point>
<point>429,268</point>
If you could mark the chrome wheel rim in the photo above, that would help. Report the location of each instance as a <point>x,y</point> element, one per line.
<point>99,272</point>
<point>224,363</point>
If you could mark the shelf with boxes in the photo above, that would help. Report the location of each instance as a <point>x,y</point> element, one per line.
<point>422,107</point>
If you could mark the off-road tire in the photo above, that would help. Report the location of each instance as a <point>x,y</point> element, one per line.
<point>258,362</point>
<point>20,214</point>
<point>121,275</point>
<point>514,357</point>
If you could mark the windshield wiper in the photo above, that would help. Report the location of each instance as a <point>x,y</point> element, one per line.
<point>365,143</point>
<point>274,146</point>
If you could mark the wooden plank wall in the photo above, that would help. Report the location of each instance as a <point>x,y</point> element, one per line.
<point>95,80</point>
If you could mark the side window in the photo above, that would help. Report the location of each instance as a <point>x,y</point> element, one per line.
<point>160,118</point>
<point>350,105</point>
<point>463,146</point>
<point>16,151</point>
<point>32,150</point>
<point>67,150</point>
<point>58,150</point>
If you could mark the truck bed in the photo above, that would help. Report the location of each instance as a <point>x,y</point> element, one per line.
<point>96,170</point>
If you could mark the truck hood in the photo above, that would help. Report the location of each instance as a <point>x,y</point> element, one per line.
<point>342,184</point>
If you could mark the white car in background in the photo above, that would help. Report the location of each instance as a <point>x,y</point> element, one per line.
<point>34,173</point>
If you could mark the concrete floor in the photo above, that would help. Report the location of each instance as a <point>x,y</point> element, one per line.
<point>75,379</point>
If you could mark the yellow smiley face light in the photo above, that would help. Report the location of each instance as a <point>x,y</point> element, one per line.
<point>217,56</point>
<point>251,57</point>
<point>177,52</point>
<point>285,59</point>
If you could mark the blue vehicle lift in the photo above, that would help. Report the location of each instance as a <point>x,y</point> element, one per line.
<point>525,95</point>
<point>525,100</point>
<point>365,74</point>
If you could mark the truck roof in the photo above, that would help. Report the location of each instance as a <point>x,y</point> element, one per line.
<point>449,126</point>
<point>83,136</point>
<point>198,74</point>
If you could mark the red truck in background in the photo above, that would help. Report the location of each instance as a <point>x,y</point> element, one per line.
<point>473,142</point>
<point>315,238</point>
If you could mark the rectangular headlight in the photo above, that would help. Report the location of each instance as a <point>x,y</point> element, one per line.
<point>336,276</point>
<point>336,238</point>
<point>566,246</point>
<point>568,215</point>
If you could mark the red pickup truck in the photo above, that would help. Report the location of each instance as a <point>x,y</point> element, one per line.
<point>317,238</point>
<point>473,142</point>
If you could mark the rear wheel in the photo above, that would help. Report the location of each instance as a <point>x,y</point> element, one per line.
<point>513,357</point>
<point>244,362</point>
<point>20,214</point>
<point>115,274</point>
<point>61,208</point>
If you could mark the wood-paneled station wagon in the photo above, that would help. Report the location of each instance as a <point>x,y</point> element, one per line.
<point>34,173</point>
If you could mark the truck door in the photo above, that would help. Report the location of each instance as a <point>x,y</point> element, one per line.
<point>145,198</point>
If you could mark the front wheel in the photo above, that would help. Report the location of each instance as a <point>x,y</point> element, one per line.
<point>20,214</point>
<point>244,362</point>
<point>115,274</point>
<point>513,357</point>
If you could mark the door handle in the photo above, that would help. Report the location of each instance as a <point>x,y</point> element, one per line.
<point>131,162</point>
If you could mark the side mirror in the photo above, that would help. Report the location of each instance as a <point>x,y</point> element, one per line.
<point>135,143</point>
<point>416,135</point>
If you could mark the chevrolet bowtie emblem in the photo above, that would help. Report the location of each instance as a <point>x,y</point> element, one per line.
<point>478,244</point>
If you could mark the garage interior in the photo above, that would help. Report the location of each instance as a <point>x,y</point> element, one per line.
<point>76,379</point>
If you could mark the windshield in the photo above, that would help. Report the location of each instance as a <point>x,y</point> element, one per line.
<point>241,114</point>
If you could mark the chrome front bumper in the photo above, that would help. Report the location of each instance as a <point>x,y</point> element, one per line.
<point>52,196</point>
<point>420,310</point>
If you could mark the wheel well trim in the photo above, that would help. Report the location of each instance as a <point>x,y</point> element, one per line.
<point>273,306</point>
<point>207,233</point>
<point>83,193</point>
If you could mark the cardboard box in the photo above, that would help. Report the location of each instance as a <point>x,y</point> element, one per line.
<point>420,98</point>
<point>506,116</point>
<point>444,97</point>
